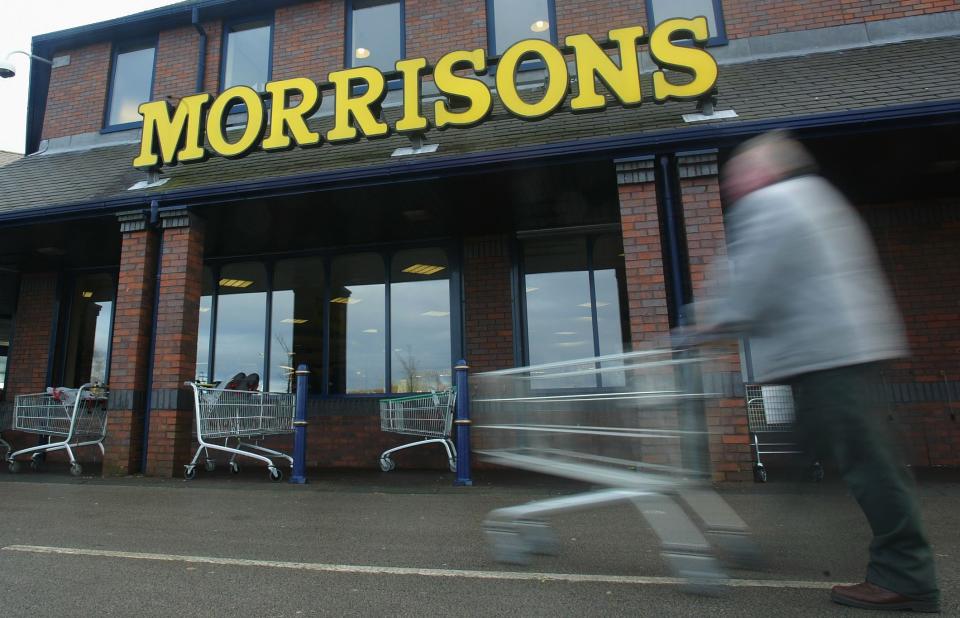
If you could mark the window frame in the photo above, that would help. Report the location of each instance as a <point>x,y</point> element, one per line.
<point>521,325</point>
<point>492,34</point>
<point>151,41</point>
<point>386,253</point>
<point>228,27</point>
<point>719,39</point>
<point>394,84</point>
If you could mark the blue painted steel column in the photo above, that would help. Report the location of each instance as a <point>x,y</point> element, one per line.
<point>300,427</point>
<point>462,423</point>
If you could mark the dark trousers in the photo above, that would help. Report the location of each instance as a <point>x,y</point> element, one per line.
<point>838,413</point>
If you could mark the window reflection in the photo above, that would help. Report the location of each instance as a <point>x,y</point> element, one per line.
<point>516,20</point>
<point>420,321</point>
<point>247,59</point>
<point>357,323</point>
<point>376,34</point>
<point>610,284</point>
<point>296,323</point>
<point>559,322</point>
<point>132,81</point>
<point>88,334</point>
<point>203,332</point>
<point>668,9</point>
<point>241,317</point>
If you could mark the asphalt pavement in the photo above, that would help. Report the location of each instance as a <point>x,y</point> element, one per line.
<point>408,543</point>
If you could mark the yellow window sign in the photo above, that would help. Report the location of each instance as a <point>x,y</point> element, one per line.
<point>196,127</point>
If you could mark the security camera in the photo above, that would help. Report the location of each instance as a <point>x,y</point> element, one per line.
<point>7,69</point>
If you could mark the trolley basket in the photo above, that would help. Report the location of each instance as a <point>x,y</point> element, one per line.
<point>771,417</point>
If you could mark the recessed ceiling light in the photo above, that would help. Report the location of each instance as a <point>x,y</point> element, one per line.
<point>540,25</point>
<point>343,300</point>
<point>87,294</point>
<point>599,304</point>
<point>204,309</point>
<point>294,321</point>
<point>372,331</point>
<point>362,52</point>
<point>569,344</point>
<point>532,290</point>
<point>436,314</point>
<point>565,332</point>
<point>423,269</point>
<point>235,283</point>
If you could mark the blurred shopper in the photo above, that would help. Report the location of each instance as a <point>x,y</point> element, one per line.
<point>806,287</point>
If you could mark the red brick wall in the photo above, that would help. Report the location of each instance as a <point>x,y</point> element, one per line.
<point>435,27</point>
<point>746,18</point>
<point>29,349</point>
<point>178,315</point>
<point>176,66</point>
<point>921,254</point>
<point>308,40</point>
<point>488,304</point>
<point>78,92</point>
<point>132,322</point>
<point>643,260</point>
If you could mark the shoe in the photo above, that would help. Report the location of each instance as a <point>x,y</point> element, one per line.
<point>869,596</point>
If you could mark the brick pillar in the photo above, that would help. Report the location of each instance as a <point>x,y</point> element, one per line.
<point>130,357</point>
<point>642,251</point>
<point>175,348</point>
<point>488,304</point>
<point>730,453</point>
<point>33,328</point>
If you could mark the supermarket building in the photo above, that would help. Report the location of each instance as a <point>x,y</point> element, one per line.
<point>378,221</point>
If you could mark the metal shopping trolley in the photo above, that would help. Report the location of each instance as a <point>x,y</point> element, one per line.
<point>429,416</point>
<point>625,423</point>
<point>771,416</point>
<point>244,417</point>
<point>69,418</point>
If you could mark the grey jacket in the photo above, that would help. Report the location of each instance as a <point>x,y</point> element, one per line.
<point>806,286</point>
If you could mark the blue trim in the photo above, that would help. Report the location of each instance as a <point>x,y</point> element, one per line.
<point>148,403</point>
<point>114,52</point>
<point>687,138</point>
<point>269,266</point>
<point>214,302</point>
<point>55,326</point>
<point>228,26</point>
<point>387,258</point>
<point>719,39</point>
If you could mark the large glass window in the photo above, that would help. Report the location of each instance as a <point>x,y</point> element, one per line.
<point>87,351</point>
<point>357,324</point>
<point>296,323</point>
<point>574,292</point>
<point>241,323</point>
<point>203,333</point>
<point>510,21</point>
<point>420,321</point>
<point>246,60</point>
<point>376,33</point>
<point>131,82</point>
<point>662,10</point>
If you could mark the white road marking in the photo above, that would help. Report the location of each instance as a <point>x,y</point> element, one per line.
<point>423,572</point>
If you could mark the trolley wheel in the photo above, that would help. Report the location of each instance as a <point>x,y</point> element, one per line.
<point>13,466</point>
<point>759,474</point>
<point>36,464</point>
<point>453,464</point>
<point>76,469</point>
<point>387,464</point>
<point>234,467</point>
<point>210,465</point>
<point>189,473</point>
<point>275,474</point>
<point>816,472</point>
<point>539,538</point>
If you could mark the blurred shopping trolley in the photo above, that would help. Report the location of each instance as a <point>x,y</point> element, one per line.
<point>243,417</point>
<point>772,417</point>
<point>68,417</point>
<point>429,416</point>
<point>632,429</point>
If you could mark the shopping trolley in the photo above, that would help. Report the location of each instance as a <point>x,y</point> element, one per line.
<point>429,416</point>
<point>631,429</point>
<point>770,411</point>
<point>63,416</point>
<point>245,417</point>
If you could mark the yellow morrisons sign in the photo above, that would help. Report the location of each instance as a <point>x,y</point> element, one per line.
<point>179,135</point>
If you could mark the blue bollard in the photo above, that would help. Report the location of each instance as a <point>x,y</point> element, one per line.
<point>462,423</point>
<point>300,427</point>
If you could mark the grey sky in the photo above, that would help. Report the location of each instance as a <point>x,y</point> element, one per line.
<point>25,18</point>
